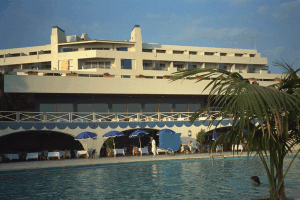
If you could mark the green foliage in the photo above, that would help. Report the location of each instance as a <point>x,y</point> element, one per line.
<point>109,142</point>
<point>201,136</point>
<point>269,114</point>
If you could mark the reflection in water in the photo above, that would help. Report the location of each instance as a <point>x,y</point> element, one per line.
<point>154,170</point>
<point>185,179</point>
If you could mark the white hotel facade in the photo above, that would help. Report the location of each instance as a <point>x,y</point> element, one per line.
<point>82,80</point>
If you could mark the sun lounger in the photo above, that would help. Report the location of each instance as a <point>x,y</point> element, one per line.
<point>32,156</point>
<point>237,147</point>
<point>12,156</point>
<point>119,151</point>
<point>143,150</point>
<point>56,154</point>
<point>80,153</point>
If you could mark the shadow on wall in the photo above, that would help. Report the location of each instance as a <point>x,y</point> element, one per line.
<point>36,141</point>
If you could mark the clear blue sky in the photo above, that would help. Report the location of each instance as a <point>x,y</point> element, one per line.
<point>207,23</point>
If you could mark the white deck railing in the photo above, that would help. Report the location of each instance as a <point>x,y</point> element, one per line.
<point>20,116</point>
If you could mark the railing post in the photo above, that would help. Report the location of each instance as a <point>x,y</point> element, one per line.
<point>70,117</point>
<point>45,117</point>
<point>117,119</point>
<point>94,117</point>
<point>17,116</point>
<point>158,116</point>
<point>138,117</point>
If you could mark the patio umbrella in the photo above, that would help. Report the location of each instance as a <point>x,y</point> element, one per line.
<point>139,134</point>
<point>85,135</point>
<point>113,134</point>
<point>165,130</point>
<point>215,135</point>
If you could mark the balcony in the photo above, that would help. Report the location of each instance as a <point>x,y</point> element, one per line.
<point>75,117</point>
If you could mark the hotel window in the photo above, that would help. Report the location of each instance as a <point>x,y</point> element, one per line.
<point>209,53</point>
<point>119,108</point>
<point>194,107</point>
<point>69,49</point>
<point>60,107</point>
<point>151,107</point>
<point>134,108</point>
<point>160,51</point>
<point>238,55</point>
<point>193,52</point>
<point>125,76</point>
<point>223,54</point>
<point>100,107</point>
<point>47,108</point>
<point>147,50</point>
<point>162,66</point>
<point>126,64</point>
<point>85,111</point>
<point>165,107</point>
<point>194,66</point>
<point>101,48</point>
<point>87,65</point>
<point>180,107</point>
<point>70,65</point>
<point>179,66</point>
<point>122,49</point>
<point>178,52</point>
<point>102,65</point>
<point>147,65</point>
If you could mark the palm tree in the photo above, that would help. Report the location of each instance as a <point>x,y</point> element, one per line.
<point>270,116</point>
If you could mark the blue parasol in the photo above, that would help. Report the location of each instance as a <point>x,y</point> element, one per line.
<point>215,135</point>
<point>139,134</point>
<point>113,134</point>
<point>165,130</point>
<point>85,135</point>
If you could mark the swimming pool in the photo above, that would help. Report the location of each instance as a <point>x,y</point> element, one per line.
<point>179,179</point>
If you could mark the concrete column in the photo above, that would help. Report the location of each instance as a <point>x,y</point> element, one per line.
<point>118,63</point>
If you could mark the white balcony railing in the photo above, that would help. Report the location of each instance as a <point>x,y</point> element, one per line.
<point>20,116</point>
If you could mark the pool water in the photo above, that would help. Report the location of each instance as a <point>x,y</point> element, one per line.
<point>181,179</point>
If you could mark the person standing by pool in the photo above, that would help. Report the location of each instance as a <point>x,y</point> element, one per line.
<point>153,146</point>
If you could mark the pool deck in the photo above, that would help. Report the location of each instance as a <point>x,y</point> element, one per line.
<point>27,165</point>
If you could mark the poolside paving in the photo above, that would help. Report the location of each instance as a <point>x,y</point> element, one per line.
<point>27,165</point>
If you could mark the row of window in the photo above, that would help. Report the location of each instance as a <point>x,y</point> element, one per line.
<point>121,108</point>
<point>24,54</point>
<point>92,65</point>
<point>196,53</point>
<point>96,48</point>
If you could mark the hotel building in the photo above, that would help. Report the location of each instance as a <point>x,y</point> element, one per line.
<point>119,85</point>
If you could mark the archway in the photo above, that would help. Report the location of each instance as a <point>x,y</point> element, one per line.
<point>125,141</point>
<point>37,141</point>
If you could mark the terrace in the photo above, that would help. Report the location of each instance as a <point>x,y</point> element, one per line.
<point>20,116</point>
